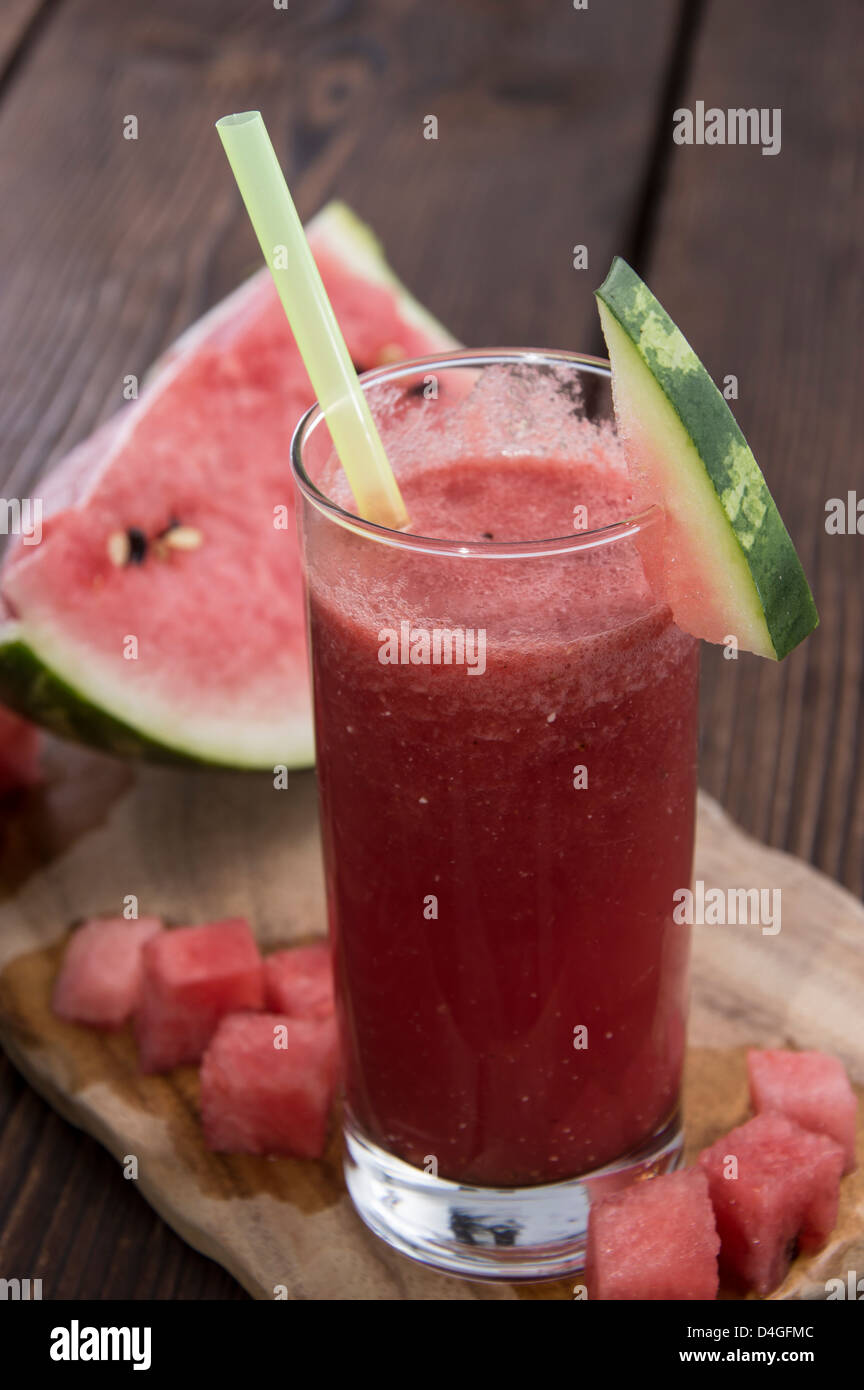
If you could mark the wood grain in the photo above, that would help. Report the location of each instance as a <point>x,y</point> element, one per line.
<point>20,24</point>
<point>281,1223</point>
<point>148,232</point>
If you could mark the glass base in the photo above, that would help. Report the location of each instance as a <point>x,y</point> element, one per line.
<point>491,1232</point>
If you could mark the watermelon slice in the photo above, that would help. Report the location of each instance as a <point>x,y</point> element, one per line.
<point>100,978</point>
<point>162,613</point>
<point>191,977</point>
<point>786,1189</point>
<point>655,1240</point>
<point>267,1085</point>
<point>299,981</point>
<point>725,562</point>
<point>810,1088</point>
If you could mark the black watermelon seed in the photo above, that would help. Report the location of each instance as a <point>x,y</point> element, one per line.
<point>137,546</point>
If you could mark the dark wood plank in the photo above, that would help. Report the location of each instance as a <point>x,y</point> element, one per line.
<point>755,257</point>
<point>112,246</point>
<point>20,21</point>
<point>69,1221</point>
<point>116,244</point>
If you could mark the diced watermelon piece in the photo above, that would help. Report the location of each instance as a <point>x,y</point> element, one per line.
<point>100,977</point>
<point>786,1189</point>
<point>299,982</point>
<point>654,1240</point>
<point>267,1085</point>
<point>19,752</point>
<point>810,1088</point>
<point>192,977</point>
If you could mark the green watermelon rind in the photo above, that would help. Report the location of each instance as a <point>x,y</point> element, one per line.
<point>47,690</point>
<point>740,525</point>
<point>33,689</point>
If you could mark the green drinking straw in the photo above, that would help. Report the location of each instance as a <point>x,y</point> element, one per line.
<point>279,230</point>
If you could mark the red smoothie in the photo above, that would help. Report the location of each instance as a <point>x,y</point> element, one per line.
<point>502,846</point>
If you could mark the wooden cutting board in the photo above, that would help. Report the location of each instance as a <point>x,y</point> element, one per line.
<point>193,846</point>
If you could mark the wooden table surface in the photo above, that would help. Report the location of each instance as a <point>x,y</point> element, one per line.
<point>554,130</point>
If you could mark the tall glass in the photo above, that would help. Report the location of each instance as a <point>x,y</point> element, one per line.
<point>506,745</point>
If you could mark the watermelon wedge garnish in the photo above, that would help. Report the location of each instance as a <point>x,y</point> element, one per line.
<point>160,528</point>
<point>725,562</point>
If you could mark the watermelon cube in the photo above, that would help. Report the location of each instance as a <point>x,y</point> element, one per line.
<point>810,1088</point>
<point>191,978</point>
<point>299,982</point>
<point>654,1240</point>
<point>786,1190</point>
<point>100,977</point>
<point>267,1085</point>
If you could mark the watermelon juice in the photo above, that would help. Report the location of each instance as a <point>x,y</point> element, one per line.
<point>506,748</point>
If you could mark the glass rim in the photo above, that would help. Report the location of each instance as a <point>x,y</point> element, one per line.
<point>491,550</point>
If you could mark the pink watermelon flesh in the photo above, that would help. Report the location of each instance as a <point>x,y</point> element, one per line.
<point>299,982</point>
<point>655,1240</point>
<point>100,978</point>
<point>810,1088</point>
<point>267,1085</point>
<point>786,1191</point>
<point>220,671</point>
<point>19,752</point>
<point>191,978</point>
